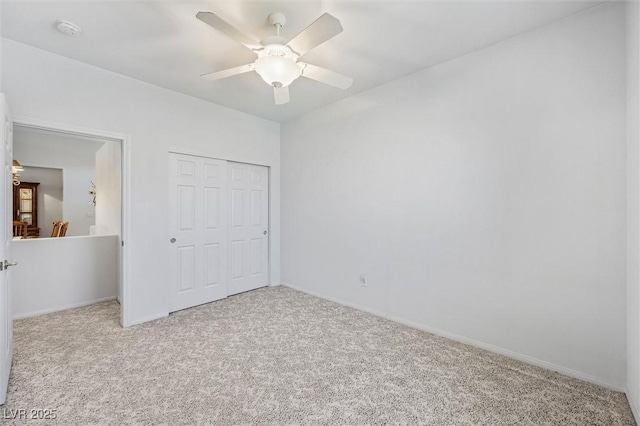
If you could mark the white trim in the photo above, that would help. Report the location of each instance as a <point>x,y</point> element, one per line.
<point>63,308</point>
<point>37,123</point>
<point>216,156</point>
<point>125,140</point>
<point>125,231</point>
<point>71,237</point>
<point>495,349</point>
<point>149,318</point>
<point>633,405</point>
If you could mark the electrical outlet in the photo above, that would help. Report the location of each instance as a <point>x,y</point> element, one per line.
<point>363,280</point>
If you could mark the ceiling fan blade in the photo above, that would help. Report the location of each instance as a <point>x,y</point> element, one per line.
<point>281,95</point>
<point>226,28</point>
<point>326,76</point>
<point>228,72</point>
<point>321,30</point>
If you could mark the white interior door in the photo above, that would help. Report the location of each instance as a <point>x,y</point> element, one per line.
<point>197,230</point>
<point>6,235</point>
<point>248,227</point>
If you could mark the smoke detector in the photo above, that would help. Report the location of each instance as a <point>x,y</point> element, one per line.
<point>68,28</point>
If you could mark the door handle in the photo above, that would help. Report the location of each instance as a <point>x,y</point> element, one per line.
<point>7,264</point>
<point>264,233</point>
<point>173,240</point>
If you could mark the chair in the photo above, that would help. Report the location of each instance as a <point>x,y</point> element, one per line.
<point>63,228</point>
<point>20,229</point>
<point>55,232</point>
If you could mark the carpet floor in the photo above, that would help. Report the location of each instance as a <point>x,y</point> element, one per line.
<point>277,356</point>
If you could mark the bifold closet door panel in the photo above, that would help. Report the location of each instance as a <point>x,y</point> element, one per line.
<point>198,235</point>
<point>248,213</point>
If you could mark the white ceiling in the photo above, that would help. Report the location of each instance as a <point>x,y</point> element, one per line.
<point>164,44</point>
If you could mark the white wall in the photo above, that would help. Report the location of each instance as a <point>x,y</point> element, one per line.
<point>108,184</point>
<point>76,158</point>
<point>633,208</point>
<point>50,87</point>
<point>1,50</point>
<point>484,198</point>
<point>109,194</point>
<point>61,273</point>
<point>49,195</point>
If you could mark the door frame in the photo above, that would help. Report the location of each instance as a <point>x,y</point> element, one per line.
<point>269,167</point>
<point>125,193</point>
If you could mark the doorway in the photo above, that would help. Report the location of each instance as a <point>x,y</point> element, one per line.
<point>93,210</point>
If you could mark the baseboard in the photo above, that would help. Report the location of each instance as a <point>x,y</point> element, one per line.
<point>495,349</point>
<point>147,319</point>
<point>62,308</point>
<point>634,406</point>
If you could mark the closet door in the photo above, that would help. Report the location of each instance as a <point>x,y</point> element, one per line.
<point>248,227</point>
<point>197,230</point>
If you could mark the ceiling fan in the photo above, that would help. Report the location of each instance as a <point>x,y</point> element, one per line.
<point>277,61</point>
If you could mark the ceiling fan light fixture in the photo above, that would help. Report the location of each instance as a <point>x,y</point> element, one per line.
<point>277,62</point>
<point>277,71</point>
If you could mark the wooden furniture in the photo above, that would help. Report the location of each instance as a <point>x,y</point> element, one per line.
<point>55,232</point>
<point>59,229</point>
<point>25,206</point>
<point>19,229</point>
<point>63,229</point>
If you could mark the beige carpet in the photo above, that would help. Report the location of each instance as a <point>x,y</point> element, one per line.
<point>277,356</point>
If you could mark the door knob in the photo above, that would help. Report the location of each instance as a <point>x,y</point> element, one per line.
<point>264,233</point>
<point>173,240</point>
